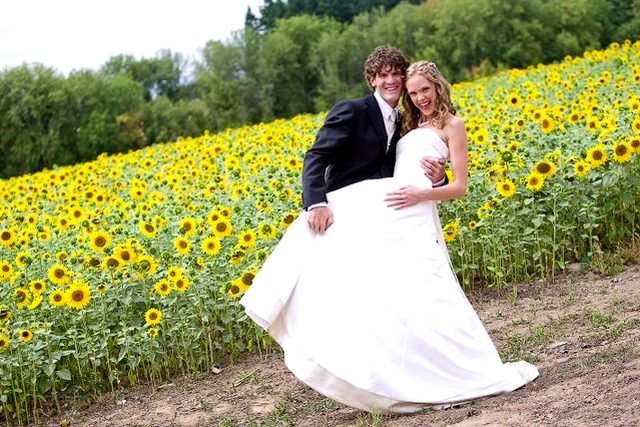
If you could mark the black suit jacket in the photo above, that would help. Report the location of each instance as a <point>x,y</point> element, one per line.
<point>349,147</point>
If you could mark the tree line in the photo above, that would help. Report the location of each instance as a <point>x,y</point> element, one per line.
<point>301,58</point>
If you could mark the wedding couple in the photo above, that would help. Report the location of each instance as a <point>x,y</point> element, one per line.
<point>360,292</point>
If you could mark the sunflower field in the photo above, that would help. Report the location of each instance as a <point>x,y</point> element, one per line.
<point>128,268</point>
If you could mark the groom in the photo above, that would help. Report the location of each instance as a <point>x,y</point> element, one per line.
<point>358,139</point>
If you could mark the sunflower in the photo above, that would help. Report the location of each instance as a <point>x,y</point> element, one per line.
<point>225,211</point>
<point>234,291</point>
<point>76,214</point>
<point>61,256</point>
<point>182,284</point>
<point>237,256</point>
<point>247,278</point>
<point>450,231</point>
<point>148,229</point>
<point>574,116</point>
<point>622,152</point>
<point>247,239</point>
<point>37,287</point>
<point>7,237</point>
<point>58,298</point>
<point>44,235</point>
<point>153,316</point>
<point>162,287</point>
<point>31,219</point>
<point>181,245</point>
<point>288,218</point>
<point>473,224</point>
<point>188,226</point>
<point>513,146</point>
<point>153,333</point>
<point>78,295</point>
<point>513,100</point>
<point>58,274</point>
<point>535,181</point>
<point>111,263</point>
<point>99,240</point>
<point>635,145</point>
<point>6,270</point>
<point>147,264</point>
<point>593,124</point>
<point>636,125</point>
<point>506,188</point>
<point>22,297</point>
<point>596,156</point>
<point>266,231</point>
<point>547,124</point>
<point>35,302</point>
<point>25,335</point>
<point>63,223</point>
<point>222,227</point>
<point>174,273</point>
<point>581,168</point>
<point>23,259</point>
<point>102,288</point>
<point>544,168</point>
<point>213,216</point>
<point>4,341</point>
<point>210,245</point>
<point>4,314</point>
<point>125,254</point>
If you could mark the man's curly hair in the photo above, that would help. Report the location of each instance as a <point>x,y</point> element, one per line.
<point>381,58</point>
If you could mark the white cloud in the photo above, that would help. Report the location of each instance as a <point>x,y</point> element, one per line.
<point>68,34</point>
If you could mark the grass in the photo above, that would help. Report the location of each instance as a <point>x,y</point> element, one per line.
<point>371,419</point>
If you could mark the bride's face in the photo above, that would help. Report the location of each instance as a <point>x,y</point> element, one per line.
<point>422,93</point>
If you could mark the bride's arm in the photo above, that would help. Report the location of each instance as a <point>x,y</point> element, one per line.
<point>459,166</point>
<point>409,196</point>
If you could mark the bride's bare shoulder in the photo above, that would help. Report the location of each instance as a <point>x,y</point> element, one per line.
<point>454,122</point>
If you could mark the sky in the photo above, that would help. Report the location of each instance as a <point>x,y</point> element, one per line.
<point>84,34</point>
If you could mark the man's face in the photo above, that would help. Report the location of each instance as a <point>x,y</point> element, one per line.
<point>388,84</point>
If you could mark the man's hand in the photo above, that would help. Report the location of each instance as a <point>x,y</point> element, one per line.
<point>320,219</point>
<point>433,168</point>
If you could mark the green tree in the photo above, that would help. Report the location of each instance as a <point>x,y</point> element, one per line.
<point>287,74</point>
<point>35,130</point>
<point>468,32</point>
<point>571,28</point>
<point>629,29</point>
<point>99,99</point>
<point>160,75</point>
<point>165,121</point>
<point>217,82</point>
<point>341,54</point>
<point>339,10</point>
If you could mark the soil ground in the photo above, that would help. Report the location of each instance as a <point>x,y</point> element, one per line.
<point>582,330</point>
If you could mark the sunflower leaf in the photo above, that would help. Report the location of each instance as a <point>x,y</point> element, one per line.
<point>64,374</point>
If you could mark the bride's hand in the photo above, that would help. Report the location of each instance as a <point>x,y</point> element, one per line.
<point>405,197</point>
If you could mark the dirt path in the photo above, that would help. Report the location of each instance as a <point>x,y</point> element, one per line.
<point>583,333</point>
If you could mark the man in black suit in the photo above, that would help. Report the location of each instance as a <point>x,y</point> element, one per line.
<point>358,138</point>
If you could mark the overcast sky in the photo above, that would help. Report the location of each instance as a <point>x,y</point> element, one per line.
<point>78,34</point>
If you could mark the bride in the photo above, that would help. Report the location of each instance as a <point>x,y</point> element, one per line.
<point>370,313</point>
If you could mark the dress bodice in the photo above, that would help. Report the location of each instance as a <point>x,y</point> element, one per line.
<point>411,148</point>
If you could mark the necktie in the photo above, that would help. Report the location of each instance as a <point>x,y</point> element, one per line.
<point>390,123</point>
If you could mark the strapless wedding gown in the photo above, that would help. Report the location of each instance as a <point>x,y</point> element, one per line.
<point>371,314</point>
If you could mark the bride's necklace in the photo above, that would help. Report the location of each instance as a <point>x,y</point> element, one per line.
<point>423,122</point>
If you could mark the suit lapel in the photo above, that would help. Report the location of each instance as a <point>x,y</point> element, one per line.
<point>375,115</point>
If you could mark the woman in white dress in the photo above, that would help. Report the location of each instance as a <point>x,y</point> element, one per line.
<point>370,313</point>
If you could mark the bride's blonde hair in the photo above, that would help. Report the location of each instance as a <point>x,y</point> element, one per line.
<point>444,106</point>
